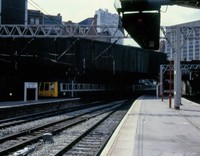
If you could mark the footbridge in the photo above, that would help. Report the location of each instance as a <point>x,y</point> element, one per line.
<point>61,31</point>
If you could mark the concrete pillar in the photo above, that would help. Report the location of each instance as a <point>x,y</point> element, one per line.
<point>177,71</point>
<point>26,13</point>
<point>0,10</point>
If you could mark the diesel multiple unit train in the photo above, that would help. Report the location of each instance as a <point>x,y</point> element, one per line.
<point>63,89</point>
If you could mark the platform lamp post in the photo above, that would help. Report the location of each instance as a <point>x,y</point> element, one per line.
<point>170,82</point>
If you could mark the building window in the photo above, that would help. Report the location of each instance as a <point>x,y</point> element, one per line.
<point>37,21</point>
<point>32,21</point>
<point>191,47</point>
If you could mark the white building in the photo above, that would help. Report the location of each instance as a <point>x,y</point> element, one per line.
<point>190,41</point>
<point>106,18</point>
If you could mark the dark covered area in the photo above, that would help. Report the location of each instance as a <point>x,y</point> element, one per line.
<point>82,60</point>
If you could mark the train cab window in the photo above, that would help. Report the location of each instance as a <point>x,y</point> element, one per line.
<point>51,86</point>
<point>41,86</point>
<point>46,86</point>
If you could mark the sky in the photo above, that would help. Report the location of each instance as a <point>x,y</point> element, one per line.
<point>77,11</point>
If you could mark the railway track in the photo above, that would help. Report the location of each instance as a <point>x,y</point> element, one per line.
<point>36,116</point>
<point>93,142</point>
<point>13,142</point>
<point>88,138</point>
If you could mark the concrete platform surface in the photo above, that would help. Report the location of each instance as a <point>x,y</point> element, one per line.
<point>151,128</point>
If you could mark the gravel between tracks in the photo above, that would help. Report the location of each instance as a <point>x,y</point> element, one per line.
<point>33,124</point>
<point>22,127</point>
<point>66,137</point>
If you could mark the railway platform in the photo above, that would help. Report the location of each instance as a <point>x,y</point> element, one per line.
<point>11,104</point>
<point>151,128</point>
<point>13,109</point>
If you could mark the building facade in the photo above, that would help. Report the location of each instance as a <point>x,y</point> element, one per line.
<point>16,12</point>
<point>106,18</point>
<point>36,17</point>
<point>13,11</point>
<point>190,41</point>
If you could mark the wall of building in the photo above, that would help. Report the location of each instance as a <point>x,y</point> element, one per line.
<point>13,11</point>
<point>190,41</point>
<point>36,17</point>
<point>106,18</point>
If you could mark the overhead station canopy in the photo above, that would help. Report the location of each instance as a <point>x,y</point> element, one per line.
<point>126,4</point>
<point>186,3</point>
<point>141,19</point>
<point>137,5</point>
<point>144,28</point>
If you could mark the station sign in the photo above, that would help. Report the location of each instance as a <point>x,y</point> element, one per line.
<point>31,85</point>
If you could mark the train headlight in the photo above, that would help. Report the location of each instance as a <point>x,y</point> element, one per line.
<point>10,94</point>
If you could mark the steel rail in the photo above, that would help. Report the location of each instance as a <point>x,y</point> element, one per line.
<point>33,132</point>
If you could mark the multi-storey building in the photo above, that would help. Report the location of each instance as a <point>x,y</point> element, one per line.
<point>106,18</point>
<point>190,41</point>
<point>36,17</point>
<point>16,12</point>
<point>109,23</point>
<point>13,11</point>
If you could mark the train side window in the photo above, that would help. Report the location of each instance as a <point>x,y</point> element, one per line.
<point>64,87</point>
<point>78,86</point>
<point>46,87</point>
<point>75,86</point>
<point>67,86</point>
